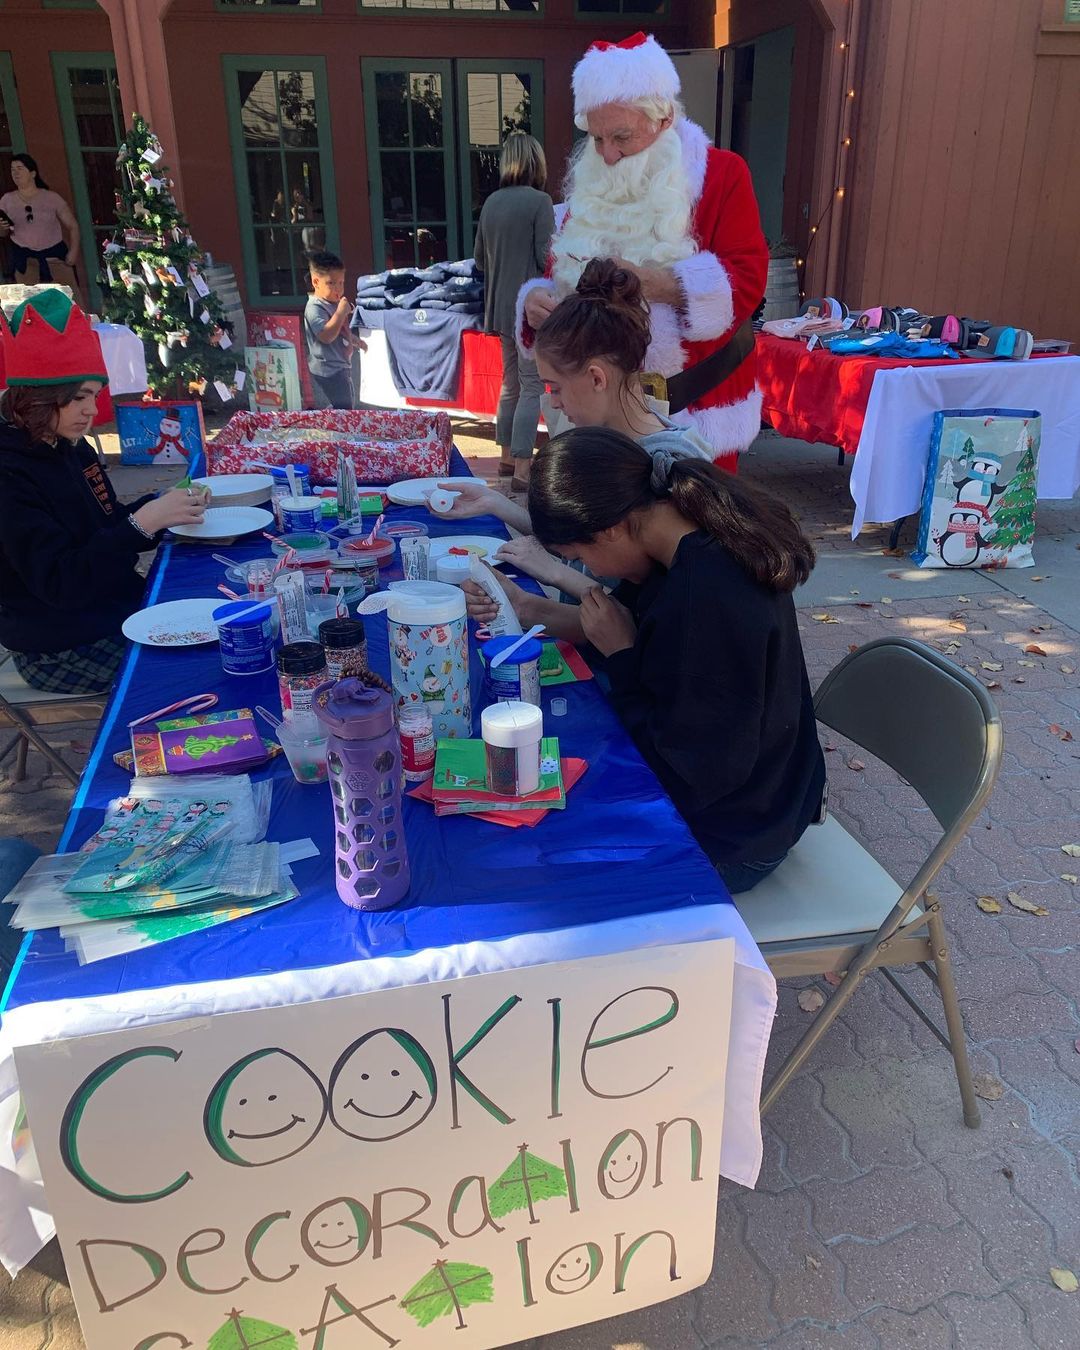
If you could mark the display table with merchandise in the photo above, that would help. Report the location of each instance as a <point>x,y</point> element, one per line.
<point>614,881</point>
<point>881,411</point>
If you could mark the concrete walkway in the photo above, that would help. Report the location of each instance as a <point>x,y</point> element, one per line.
<point>880,1221</point>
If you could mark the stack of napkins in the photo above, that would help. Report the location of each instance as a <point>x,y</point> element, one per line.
<point>460,787</point>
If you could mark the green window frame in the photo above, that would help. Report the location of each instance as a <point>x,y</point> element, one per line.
<point>91,231</point>
<point>16,137</point>
<point>470,209</point>
<point>457,9</point>
<point>411,220</point>
<point>257,236</point>
<point>70,4</point>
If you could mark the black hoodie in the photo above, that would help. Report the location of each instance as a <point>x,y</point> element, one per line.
<point>67,549</point>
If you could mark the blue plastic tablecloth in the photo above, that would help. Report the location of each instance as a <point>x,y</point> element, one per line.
<point>620,848</point>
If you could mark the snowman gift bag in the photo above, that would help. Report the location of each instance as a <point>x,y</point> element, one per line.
<point>978,506</point>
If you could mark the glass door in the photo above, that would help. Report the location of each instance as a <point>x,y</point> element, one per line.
<point>91,114</point>
<point>409,117</point>
<point>494,98</point>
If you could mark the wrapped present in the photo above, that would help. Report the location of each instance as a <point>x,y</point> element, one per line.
<point>384,447</point>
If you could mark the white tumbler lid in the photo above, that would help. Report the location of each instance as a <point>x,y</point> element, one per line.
<point>511,724</point>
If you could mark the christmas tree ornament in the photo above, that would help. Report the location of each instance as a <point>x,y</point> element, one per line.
<point>165,355</point>
<point>152,278</point>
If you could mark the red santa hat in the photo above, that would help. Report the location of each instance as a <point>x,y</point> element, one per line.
<point>622,72</point>
<point>50,341</point>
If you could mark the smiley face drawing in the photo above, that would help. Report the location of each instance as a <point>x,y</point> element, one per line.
<point>575,1269</point>
<point>267,1106</point>
<point>622,1167</point>
<point>337,1232</point>
<point>382,1086</point>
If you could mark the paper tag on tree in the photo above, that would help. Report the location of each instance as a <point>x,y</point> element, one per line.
<point>223,391</point>
<point>225,340</point>
<point>199,283</point>
<point>204,316</point>
<point>152,278</point>
<point>151,154</point>
<point>239,378</point>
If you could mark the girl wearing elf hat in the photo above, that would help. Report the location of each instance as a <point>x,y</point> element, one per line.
<point>68,548</point>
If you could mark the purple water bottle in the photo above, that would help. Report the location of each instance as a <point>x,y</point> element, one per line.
<point>364,760</point>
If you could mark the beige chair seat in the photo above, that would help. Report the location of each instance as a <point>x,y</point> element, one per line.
<point>828,885</point>
<point>36,703</point>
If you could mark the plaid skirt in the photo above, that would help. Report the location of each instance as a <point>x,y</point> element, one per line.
<point>82,670</point>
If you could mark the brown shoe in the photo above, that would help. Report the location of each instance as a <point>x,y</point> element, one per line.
<point>506,468</point>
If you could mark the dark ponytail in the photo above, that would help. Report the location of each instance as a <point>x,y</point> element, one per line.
<point>589,479</point>
<point>606,316</point>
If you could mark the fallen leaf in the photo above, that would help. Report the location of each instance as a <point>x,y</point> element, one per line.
<point>991,665</point>
<point>989,1088</point>
<point>1007,1173</point>
<point>895,576</point>
<point>1019,679</point>
<point>812,1263</point>
<point>856,764</point>
<point>1065,1280</point>
<point>964,600</point>
<point>1040,628</point>
<point>824,618</point>
<point>1073,850</point>
<point>993,684</point>
<point>1054,729</point>
<point>1065,736</point>
<point>1067,670</point>
<point>853,592</point>
<point>810,1000</point>
<point>1025,906</point>
<point>828,749</point>
<point>1036,578</point>
<point>835,977</point>
<point>988,904</point>
<point>853,646</point>
<point>1033,649</point>
<point>1071,878</point>
<point>971,670</point>
<point>886,600</point>
<point>863,604</point>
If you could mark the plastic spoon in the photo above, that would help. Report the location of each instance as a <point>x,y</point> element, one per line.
<point>221,558</point>
<point>275,722</point>
<point>294,485</point>
<point>509,651</point>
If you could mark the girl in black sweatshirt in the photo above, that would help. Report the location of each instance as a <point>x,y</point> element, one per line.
<point>702,647</point>
<point>68,548</point>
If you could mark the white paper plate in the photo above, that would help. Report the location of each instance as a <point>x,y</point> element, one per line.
<point>483,545</point>
<point>176,623</point>
<point>237,489</point>
<point>415,491</point>
<point>226,522</point>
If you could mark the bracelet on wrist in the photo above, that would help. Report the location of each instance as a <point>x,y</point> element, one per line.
<point>145,533</point>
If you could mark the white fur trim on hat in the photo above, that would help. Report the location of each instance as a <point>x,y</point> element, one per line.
<point>726,426</point>
<point>615,74</point>
<point>709,310</point>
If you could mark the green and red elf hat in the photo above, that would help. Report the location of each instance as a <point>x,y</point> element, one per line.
<point>50,341</point>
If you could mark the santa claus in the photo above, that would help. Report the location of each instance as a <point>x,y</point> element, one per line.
<point>646,187</point>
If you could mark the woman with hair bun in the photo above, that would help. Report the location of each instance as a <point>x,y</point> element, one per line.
<point>702,645</point>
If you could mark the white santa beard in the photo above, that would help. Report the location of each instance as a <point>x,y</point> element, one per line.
<point>638,209</point>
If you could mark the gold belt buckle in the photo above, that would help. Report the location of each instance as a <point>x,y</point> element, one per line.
<point>655,385</point>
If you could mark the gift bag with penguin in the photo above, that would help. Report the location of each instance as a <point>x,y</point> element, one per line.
<point>428,638</point>
<point>978,506</point>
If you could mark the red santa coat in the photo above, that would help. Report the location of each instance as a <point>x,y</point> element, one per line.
<point>723,283</point>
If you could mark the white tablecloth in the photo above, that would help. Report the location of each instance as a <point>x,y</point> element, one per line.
<point>890,465</point>
<point>125,359</point>
<point>25,1222</point>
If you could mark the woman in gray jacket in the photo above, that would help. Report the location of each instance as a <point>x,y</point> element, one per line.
<point>512,237</point>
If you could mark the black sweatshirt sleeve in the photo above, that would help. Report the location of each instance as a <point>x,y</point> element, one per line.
<point>687,686</point>
<point>51,563</point>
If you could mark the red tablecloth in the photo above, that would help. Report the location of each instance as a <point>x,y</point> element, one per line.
<point>816,396</point>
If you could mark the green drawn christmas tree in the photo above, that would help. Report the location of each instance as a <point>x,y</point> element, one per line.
<point>181,329</point>
<point>1015,514</point>
<point>248,1333</point>
<point>526,1180</point>
<point>448,1287</point>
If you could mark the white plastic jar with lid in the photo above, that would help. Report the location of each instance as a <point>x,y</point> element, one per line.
<point>512,733</point>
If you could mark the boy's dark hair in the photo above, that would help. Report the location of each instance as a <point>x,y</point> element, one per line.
<point>321,263</point>
<point>591,478</point>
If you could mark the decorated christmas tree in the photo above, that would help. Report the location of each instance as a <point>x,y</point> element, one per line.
<point>152,278</point>
<point>1015,515</point>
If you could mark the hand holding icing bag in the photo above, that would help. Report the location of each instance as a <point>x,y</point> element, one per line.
<point>505,623</point>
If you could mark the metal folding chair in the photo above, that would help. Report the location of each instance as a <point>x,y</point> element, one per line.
<point>831,906</point>
<point>27,710</point>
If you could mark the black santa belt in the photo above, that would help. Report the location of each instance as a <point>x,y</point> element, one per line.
<point>692,384</point>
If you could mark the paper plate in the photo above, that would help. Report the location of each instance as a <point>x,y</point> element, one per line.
<point>226,522</point>
<point>483,545</point>
<point>237,489</point>
<point>177,623</point>
<point>414,491</point>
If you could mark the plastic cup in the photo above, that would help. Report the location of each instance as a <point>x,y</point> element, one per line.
<point>558,707</point>
<point>304,740</point>
<point>258,576</point>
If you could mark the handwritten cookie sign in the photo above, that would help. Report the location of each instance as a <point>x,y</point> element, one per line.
<point>467,1163</point>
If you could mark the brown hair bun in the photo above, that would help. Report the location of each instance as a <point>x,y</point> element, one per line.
<point>605,316</point>
<point>603,279</point>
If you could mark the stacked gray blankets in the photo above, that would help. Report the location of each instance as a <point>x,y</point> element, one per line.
<point>454,286</point>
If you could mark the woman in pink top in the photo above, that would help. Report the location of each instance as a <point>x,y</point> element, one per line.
<point>38,222</point>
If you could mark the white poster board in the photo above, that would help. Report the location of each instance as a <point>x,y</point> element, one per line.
<point>511,1153</point>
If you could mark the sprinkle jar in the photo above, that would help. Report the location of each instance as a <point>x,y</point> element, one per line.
<point>301,669</point>
<point>345,646</point>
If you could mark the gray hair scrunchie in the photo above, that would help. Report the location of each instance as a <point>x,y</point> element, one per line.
<point>663,458</point>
